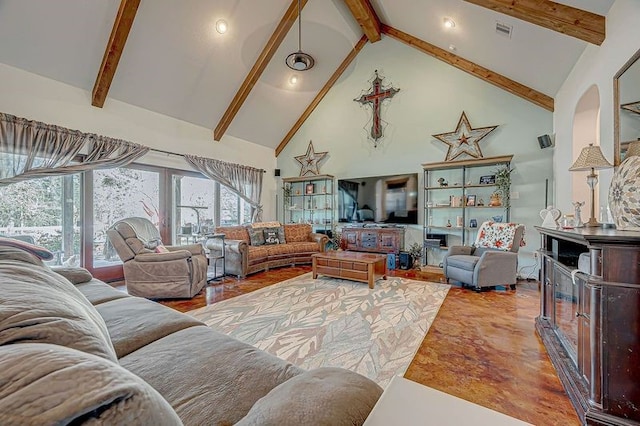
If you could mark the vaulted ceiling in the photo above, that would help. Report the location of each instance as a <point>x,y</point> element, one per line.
<point>165,55</point>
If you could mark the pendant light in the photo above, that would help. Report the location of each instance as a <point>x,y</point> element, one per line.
<point>299,60</point>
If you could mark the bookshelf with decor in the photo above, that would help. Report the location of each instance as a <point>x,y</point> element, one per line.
<point>309,199</point>
<point>458,197</point>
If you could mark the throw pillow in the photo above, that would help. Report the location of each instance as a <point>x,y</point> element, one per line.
<point>271,236</point>
<point>281,235</point>
<point>35,250</point>
<point>256,236</point>
<point>161,249</point>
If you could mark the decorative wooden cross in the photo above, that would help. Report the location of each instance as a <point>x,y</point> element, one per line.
<point>375,98</point>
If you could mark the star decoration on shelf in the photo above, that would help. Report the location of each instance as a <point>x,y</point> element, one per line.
<point>310,161</point>
<point>464,139</point>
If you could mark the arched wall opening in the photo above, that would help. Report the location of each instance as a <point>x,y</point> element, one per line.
<point>586,130</point>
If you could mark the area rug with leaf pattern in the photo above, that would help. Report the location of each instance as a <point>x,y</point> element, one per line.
<point>330,322</point>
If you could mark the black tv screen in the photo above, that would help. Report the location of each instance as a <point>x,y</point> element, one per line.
<point>379,199</point>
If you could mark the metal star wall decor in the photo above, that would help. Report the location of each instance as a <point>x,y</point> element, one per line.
<point>464,139</point>
<point>310,161</point>
<point>375,98</point>
<point>632,106</point>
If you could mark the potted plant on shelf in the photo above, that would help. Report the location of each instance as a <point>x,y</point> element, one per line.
<point>286,194</point>
<point>415,251</point>
<point>503,185</point>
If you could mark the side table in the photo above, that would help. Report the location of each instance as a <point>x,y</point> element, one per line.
<point>217,259</point>
<point>404,402</point>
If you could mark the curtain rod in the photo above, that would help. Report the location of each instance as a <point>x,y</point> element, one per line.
<point>179,155</point>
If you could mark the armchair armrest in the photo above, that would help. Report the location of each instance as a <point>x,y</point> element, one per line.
<point>496,267</point>
<point>233,246</point>
<point>163,257</point>
<point>194,249</point>
<point>321,239</point>
<point>456,250</point>
<point>497,257</point>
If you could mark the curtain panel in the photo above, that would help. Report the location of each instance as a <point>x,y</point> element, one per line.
<point>31,149</point>
<point>245,181</point>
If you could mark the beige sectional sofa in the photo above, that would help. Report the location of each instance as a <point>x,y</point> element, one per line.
<point>74,350</point>
<point>245,255</point>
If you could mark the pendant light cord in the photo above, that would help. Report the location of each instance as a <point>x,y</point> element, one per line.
<point>299,28</point>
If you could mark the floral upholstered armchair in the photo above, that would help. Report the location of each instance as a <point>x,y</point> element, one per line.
<point>491,261</point>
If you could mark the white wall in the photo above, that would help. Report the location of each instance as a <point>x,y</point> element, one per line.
<point>597,65</point>
<point>34,97</point>
<point>431,99</point>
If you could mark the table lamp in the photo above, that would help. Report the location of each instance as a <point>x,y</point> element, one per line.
<point>591,158</point>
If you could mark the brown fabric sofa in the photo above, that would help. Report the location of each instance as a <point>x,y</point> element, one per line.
<point>74,350</point>
<point>243,257</point>
<point>177,272</point>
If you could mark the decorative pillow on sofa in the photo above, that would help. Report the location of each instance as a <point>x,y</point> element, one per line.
<point>50,384</point>
<point>271,236</point>
<point>33,249</point>
<point>256,236</point>
<point>41,306</point>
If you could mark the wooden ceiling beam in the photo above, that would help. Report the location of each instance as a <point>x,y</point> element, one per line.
<point>258,68</point>
<point>476,70</point>
<point>564,19</point>
<point>321,94</point>
<point>366,17</point>
<point>113,52</point>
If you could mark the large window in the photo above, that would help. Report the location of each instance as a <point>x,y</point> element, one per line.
<point>46,212</point>
<point>184,206</point>
<point>233,209</point>
<point>118,194</point>
<point>194,207</point>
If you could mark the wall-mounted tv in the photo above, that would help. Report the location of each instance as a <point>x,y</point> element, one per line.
<point>379,199</point>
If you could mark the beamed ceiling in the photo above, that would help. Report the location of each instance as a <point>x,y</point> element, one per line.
<point>165,55</point>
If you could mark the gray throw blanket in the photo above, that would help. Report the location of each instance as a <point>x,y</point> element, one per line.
<point>146,231</point>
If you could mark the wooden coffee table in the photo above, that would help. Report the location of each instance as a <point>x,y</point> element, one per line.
<point>350,265</point>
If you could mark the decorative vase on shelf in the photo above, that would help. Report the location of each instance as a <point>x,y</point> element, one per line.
<point>624,193</point>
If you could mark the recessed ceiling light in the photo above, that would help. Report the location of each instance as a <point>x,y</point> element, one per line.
<point>293,79</point>
<point>452,47</point>
<point>449,23</point>
<point>221,26</point>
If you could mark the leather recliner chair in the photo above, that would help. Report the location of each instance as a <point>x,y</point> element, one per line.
<point>151,271</point>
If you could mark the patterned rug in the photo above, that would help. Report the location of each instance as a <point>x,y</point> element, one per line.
<point>329,322</point>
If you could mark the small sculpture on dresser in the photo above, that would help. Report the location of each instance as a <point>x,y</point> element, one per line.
<point>550,217</point>
<point>577,205</point>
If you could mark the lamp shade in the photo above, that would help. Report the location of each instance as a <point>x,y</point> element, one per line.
<point>590,158</point>
<point>633,149</point>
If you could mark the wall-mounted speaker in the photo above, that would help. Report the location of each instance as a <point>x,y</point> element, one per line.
<point>545,141</point>
<point>276,172</point>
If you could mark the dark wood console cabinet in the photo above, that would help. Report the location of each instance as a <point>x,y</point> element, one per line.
<point>590,320</point>
<point>372,239</point>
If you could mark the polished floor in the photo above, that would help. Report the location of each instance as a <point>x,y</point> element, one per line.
<point>482,347</point>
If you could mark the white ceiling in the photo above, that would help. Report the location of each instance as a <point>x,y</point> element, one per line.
<point>176,64</point>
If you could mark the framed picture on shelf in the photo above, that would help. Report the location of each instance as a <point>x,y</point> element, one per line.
<point>473,223</point>
<point>488,180</point>
<point>471,200</point>
<point>309,188</point>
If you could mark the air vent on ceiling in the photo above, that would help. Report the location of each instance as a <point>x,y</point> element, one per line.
<point>504,29</point>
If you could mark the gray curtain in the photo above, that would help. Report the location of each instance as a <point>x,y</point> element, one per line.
<point>31,149</point>
<point>243,180</point>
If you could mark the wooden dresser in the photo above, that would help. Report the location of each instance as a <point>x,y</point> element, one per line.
<point>373,239</point>
<point>590,320</point>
